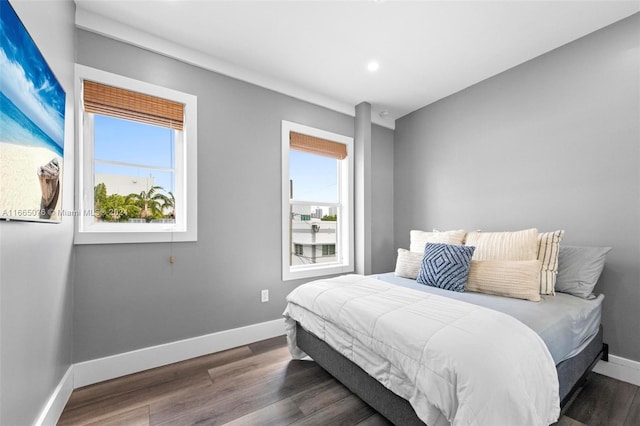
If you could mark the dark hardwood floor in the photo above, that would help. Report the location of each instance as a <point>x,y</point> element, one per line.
<point>259,384</point>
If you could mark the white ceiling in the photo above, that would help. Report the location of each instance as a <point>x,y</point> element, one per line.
<point>319,50</point>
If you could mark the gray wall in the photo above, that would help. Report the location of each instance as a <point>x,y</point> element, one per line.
<point>553,144</point>
<point>383,251</point>
<point>128,296</point>
<point>35,258</point>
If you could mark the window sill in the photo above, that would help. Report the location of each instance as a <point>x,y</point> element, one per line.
<point>295,273</point>
<point>111,237</point>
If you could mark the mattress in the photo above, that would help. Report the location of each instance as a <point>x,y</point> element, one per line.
<point>565,323</point>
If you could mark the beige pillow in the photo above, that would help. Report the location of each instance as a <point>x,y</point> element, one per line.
<point>511,278</point>
<point>419,239</point>
<point>408,264</point>
<point>517,245</point>
<point>548,250</point>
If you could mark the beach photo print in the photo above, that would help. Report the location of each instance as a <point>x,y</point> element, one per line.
<point>32,106</point>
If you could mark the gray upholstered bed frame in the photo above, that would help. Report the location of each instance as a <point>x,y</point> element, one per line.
<point>571,373</point>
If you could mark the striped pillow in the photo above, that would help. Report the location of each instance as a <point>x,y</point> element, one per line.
<point>548,251</point>
<point>420,238</point>
<point>518,245</point>
<point>408,264</point>
<point>511,278</point>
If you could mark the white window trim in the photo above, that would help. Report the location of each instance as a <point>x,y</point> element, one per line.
<point>88,232</point>
<point>346,233</point>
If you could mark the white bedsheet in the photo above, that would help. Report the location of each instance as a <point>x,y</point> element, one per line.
<point>456,363</point>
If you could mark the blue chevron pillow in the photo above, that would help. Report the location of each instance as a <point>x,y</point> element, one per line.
<point>445,266</point>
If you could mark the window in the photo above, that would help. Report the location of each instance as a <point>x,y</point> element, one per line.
<point>317,202</point>
<point>328,249</point>
<point>137,161</point>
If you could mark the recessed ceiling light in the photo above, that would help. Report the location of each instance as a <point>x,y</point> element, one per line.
<point>373,66</point>
<point>384,113</point>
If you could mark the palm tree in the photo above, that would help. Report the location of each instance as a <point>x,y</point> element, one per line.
<point>117,208</point>
<point>99,197</point>
<point>150,202</point>
<point>169,206</point>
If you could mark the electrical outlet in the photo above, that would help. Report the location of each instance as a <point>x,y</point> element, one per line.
<point>264,296</point>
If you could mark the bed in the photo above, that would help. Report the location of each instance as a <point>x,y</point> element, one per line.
<point>568,340</point>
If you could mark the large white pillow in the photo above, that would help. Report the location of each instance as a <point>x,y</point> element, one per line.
<point>420,238</point>
<point>511,278</point>
<point>517,245</point>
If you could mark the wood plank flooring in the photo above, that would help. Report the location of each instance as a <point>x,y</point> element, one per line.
<point>259,384</point>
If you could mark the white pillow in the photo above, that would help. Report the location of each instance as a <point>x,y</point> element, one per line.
<point>517,245</point>
<point>420,238</point>
<point>408,264</point>
<point>511,278</point>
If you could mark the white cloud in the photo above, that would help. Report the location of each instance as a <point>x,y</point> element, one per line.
<point>21,91</point>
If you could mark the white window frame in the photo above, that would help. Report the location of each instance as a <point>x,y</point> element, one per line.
<point>345,231</point>
<point>89,231</point>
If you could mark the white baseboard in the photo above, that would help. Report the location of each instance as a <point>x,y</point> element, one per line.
<point>101,369</point>
<point>51,412</point>
<point>620,368</point>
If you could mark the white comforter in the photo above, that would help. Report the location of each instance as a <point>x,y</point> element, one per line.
<point>456,363</point>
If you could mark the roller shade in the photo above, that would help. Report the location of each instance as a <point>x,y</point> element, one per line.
<point>102,99</point>
<point>317,146</point>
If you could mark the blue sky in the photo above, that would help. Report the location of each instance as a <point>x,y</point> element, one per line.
<point>314,177</point>
<point>137,143</point>
<point>27,80</point>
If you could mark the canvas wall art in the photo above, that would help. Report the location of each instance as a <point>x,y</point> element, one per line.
<point>32,112</point>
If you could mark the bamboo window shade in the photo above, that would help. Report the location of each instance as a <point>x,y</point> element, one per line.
<point>317,146</point>
<point>121,103</point>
